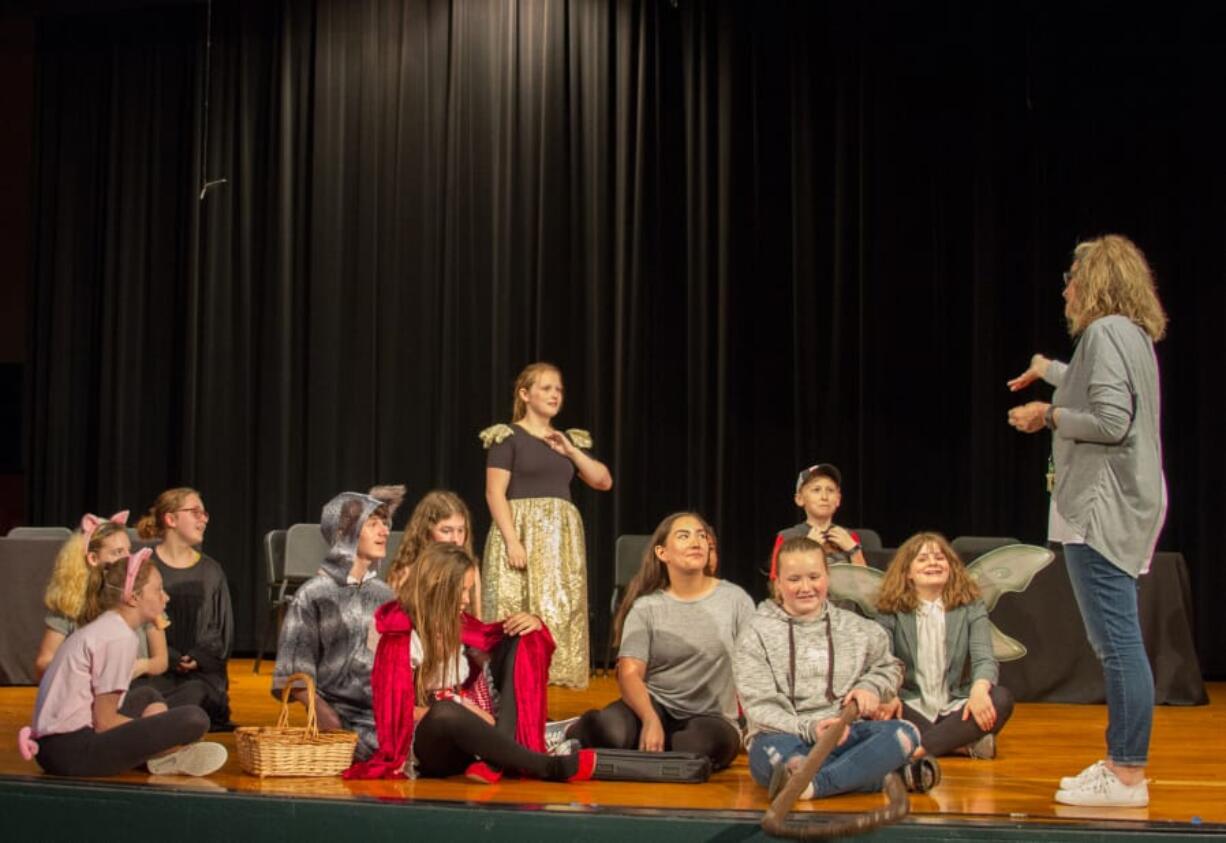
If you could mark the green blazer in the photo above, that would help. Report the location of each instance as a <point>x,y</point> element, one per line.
<point>968,648</point>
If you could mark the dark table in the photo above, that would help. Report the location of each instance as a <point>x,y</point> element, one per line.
<point>1061,667</point>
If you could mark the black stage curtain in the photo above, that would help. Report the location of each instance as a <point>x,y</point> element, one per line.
<point>753,235</point>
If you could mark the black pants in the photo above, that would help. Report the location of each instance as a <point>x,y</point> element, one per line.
<point>175,693</point>
<point>450,736</point>
<point>89,753</point>
<point>950,731</point>
<point>616,726</point>
<point>196,688</point>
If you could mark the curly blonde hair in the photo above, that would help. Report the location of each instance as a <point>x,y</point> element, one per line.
<point>1112,277</point>
<point>898,592</point>
<point>74,580</point>
<point>435,506</point>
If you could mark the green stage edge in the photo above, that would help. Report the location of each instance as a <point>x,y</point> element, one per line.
<point>43,810</point>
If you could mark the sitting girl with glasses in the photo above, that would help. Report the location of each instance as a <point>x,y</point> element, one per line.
<point>201,627</point>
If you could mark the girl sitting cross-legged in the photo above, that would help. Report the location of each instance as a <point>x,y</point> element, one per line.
<point>939,628</point>
<point>455,695</point>
<point>799,662</point>
<point>86,721</point>
<point>676,629</point>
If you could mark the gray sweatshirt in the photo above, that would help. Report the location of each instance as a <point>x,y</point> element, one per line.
<point>779,698</point>
<point>329,629</point>
<point>1107,446</point>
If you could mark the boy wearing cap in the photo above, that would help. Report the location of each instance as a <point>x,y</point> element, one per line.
<point>818,493</point>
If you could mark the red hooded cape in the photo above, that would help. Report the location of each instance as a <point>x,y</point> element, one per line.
<point>394,697</point>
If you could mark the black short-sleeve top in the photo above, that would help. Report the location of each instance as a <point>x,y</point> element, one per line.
<point>537,471</point>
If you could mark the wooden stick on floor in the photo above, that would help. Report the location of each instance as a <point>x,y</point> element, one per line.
<point>774,821</point>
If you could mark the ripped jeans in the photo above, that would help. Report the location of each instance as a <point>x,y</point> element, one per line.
<point>872,749</point>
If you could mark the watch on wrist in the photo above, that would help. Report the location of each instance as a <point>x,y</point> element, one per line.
<point>1049,417</point>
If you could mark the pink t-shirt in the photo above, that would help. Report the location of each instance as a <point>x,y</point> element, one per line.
<point>96,659</point>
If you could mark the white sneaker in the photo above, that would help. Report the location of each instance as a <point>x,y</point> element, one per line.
<point>1106,791</point>
<point>567,747</point>
<point>555,733</point>
<point>1088,774</point>
<point>197,759</point>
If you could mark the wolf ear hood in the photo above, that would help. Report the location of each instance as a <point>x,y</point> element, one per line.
<point>344,516</point>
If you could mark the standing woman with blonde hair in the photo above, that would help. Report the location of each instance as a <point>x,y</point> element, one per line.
<point>535,556</point>
<point>1109,499</point>
<point>201,629</point>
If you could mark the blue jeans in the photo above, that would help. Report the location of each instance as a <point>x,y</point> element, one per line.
<point>1107,598</point>
<point>872,749</point>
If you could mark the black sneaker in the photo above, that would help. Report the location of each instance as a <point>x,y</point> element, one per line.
<point>921,776</point>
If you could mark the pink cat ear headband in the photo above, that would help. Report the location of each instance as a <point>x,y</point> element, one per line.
<point>91,522</point>
<point>134,563</point>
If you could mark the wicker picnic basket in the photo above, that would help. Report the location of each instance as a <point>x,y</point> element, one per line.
<point>285,750</point>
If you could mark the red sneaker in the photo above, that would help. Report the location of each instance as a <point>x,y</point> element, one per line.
<point>587,766</point>
<point>483,773</point>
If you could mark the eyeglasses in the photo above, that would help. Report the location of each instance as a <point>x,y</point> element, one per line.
<point>1068,276</point>
<point>198,511</point>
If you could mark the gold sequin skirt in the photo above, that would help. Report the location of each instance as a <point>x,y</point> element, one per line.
<point>553,586</point>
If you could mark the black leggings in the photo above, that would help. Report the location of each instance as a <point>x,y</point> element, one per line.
<point>89,753</point>
<point>175,693</point>
<point>450,736</point>
<point>616,726</point>
<point>950,731</point>
<point>190,689</point>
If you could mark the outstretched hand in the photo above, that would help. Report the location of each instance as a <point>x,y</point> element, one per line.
<point>1036,371</point>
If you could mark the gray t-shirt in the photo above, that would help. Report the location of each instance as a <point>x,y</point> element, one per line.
<point>687,646</point>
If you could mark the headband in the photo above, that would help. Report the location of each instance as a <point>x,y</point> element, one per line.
<point>134,562</point>
<point>91,522</point>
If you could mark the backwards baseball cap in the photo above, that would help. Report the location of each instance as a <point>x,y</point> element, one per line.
<point>822,469</point>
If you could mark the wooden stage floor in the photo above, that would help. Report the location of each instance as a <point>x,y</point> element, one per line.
<point>1043,742</point>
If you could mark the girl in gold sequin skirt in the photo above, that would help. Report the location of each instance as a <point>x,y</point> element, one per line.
<point>535,558</point>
